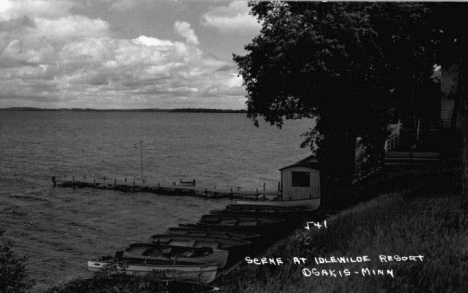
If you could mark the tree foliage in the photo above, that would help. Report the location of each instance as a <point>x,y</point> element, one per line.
<point>350,64</point>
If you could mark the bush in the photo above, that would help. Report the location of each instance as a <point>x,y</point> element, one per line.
<point>13,275</point>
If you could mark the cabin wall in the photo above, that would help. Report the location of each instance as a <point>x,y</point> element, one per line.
<point>291,192</point>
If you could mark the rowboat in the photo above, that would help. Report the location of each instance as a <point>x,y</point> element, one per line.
<point>169,269</point>
<point>260,225</point>
<point>167,252</point>
<point>198,241</point>
<point>292,217</point>
<point>294,214</point>
<point>236,247</point>
<point>264,207</point>
<point>194,230</point>
<point>306,204</point>
<point>255,240</point>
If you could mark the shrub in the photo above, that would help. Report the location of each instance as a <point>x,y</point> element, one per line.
<point>13,275</point>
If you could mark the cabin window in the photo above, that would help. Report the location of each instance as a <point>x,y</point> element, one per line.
<point>301,179</point>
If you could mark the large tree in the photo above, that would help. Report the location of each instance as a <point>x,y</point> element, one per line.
<point>347,64</point>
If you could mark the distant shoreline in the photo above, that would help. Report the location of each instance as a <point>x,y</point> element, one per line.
<point>177,110</point>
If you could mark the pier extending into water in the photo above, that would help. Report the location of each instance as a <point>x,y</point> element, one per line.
<point>185,188</point>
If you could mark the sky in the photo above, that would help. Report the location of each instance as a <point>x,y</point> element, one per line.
<point>123,54</point>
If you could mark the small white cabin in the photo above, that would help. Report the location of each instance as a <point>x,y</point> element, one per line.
<point>301,181</point>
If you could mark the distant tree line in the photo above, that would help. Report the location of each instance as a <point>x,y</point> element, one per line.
<point>179,110</point>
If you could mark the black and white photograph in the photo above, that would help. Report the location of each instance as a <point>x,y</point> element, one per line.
<point>233,146</point>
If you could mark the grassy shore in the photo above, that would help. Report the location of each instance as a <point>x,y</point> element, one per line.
<point>430,224</point>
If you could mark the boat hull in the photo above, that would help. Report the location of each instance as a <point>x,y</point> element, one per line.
<point>186,254</point>
<point>267,227</point>
<point>236,247</point>
<point>306,204</point>
<point>204,273</point>
<point>193,230</point>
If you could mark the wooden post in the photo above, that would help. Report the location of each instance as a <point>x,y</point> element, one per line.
<point>417,131</point>
<point>125,179</point>
<point>133,186</point>
<point>206,192</point>
<point>256,195</point>
<point>73,179</point>
<point>94,181</point>
<point>264,191</point>
<point>115,182</point>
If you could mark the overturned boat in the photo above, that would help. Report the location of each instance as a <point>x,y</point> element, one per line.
<point>169,269</point>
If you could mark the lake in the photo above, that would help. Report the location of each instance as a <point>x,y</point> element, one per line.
<point>60,228</point>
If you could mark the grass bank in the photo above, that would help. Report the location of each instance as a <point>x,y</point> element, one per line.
<point>429,224</point>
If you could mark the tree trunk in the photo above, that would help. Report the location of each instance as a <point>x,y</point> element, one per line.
<point>462,95</point>
<point>459,91</point>
<point>337,162</point>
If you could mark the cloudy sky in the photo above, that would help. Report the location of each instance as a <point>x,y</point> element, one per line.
<point>122,53</point>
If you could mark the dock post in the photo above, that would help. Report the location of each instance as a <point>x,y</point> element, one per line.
<point>73,179</point>
<point>256,195</point>
<point>94,181</point>
<point>232,194</point>
<point>53,180</point>
<point>263,190</point>
<point>133,186</point>
<point>125,179</point>
<point>115,182</point>
<point>84,177</point>
<point>206,192</point>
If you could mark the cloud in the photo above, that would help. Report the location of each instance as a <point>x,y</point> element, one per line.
<point>233,18</point>
<point>11,9</point>
<point>123,5</point>
<point>126,5</point>
<point>183,28</point>
<point>65,60</point>
<point>70,27</point>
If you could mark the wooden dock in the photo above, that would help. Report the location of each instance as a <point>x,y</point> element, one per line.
<point>181,188</point>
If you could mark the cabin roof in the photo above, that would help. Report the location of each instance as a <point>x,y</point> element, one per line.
<point>308,162</point>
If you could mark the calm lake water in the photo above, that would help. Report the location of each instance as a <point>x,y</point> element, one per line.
<point>60,228</point>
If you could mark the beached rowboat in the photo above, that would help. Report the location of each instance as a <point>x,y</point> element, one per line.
<point>169,269</point>
<point>236,247</point>
<point>292,217</point>
<point>167,252</point>
<point>306,204</point>
<point>264,226</point>
<point>193,230</point>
